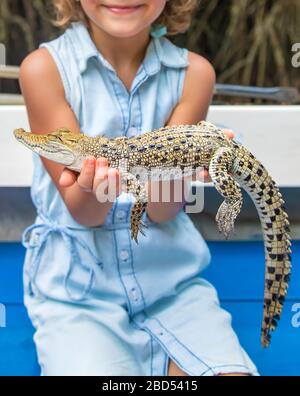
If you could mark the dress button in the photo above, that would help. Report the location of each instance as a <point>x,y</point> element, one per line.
<point>36,238</point>
<point>124,255</point>
<point>132,131</point>
<point>134,294</point>
<point>121,214</point>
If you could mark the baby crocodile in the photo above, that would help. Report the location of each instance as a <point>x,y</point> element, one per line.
<point>230,165</point>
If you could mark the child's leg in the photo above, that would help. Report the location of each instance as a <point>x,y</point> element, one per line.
<point>80,340</point>
<point>196,333</point>
<point>174,370</point>
<point>234,375</point>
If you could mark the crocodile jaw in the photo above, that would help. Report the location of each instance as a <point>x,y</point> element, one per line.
<point>47,148</point>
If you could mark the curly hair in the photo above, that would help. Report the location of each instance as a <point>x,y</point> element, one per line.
<point>176,16</point>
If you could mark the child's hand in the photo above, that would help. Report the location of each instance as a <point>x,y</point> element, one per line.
<point>204,175</point>
<point>95,177</point>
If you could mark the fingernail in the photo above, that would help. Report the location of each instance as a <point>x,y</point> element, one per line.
<point>90,161</point>
<point>101,161</point>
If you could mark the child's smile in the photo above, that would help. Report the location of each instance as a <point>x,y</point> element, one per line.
<point>121,9</point>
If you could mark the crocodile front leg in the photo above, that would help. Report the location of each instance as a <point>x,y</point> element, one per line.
<point>219,167</point>
<point>139,207</point>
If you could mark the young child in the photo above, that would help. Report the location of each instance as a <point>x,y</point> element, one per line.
<point>100,303</point>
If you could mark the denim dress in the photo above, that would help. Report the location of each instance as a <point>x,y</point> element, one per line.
<point>100,303</point>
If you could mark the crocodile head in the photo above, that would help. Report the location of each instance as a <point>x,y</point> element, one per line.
<point>61,146</point>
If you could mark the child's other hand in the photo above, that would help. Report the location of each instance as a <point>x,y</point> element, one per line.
<point>95,177</point>
<point>204,175</point>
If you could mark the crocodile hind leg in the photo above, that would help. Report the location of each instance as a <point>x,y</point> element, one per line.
<point>219,168</point>
<point>139,207</point>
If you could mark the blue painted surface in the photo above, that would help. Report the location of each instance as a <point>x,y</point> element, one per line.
<point>237,271</point>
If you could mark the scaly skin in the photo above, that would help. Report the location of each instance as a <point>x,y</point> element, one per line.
<point>231,166</point>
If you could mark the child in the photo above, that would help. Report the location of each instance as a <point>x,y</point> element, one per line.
<point>100,303</point>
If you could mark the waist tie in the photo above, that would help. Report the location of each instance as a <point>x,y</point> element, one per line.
<point>46,229</point>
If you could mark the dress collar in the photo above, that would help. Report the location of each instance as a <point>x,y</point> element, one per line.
<point>160,51</point>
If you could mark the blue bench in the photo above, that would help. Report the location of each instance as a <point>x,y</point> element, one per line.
<point>237,271</point>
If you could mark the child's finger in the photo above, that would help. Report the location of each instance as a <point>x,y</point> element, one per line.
<point>203,176</point>
<point>113,183</point>
<point>101,162</point>
<point>100,176</point>
<point>101,170</point>
<point>206,176</point>
<point>86,177</point>
<point>67,178</point>
<point>229,133</point>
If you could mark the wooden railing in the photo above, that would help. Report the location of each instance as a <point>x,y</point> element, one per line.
<point>11,99</point>
<point>10,72</point>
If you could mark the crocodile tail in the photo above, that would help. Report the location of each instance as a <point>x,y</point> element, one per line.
<point>255,179</point>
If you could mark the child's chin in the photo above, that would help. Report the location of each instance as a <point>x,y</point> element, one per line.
<point>123,33</point>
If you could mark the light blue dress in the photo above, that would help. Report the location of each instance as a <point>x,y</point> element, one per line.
<point>100,303</point>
